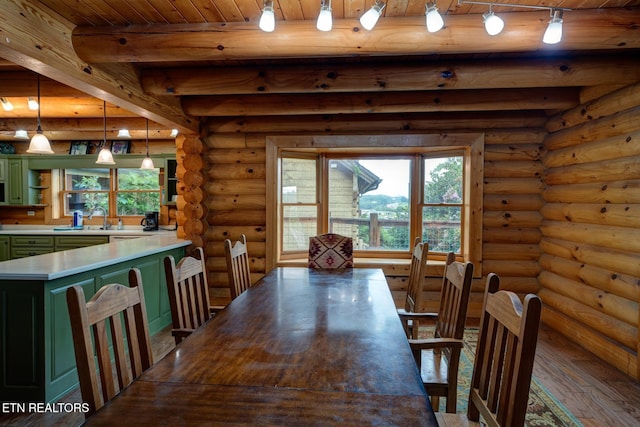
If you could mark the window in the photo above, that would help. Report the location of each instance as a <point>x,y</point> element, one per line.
<point>119,192</point>
<point>380,200</point>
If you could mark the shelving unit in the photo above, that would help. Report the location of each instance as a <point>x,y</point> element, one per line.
<point>170,181</point>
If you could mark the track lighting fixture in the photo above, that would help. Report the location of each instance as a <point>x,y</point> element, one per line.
<point>32,103</point>
<point>39,143</point>
<point>325,21</point>
<point>124,133</point>
<point>6,104</point>
<point>492,23</point>
<point>553,33</point>
<point>370,18</point>
<point>21,134</point>
<point>267,19</point>
<point>433,17</point>
<point>174,133</point>
<point>104,156</point>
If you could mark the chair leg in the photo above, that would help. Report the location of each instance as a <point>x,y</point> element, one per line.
<point>435,403</point>
<point>452,397</point>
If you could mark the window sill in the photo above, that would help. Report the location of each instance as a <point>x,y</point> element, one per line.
<point>391,266</point>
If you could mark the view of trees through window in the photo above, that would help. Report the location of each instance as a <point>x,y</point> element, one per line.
<point>136,191</point>
<point>370,201</point>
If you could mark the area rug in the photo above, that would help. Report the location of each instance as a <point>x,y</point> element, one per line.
<point>544,409</point>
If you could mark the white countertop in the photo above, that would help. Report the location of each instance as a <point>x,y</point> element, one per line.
<point>60,264</point>
<point>92,230</point>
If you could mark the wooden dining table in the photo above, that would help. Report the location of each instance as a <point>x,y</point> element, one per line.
<point>301,347</point>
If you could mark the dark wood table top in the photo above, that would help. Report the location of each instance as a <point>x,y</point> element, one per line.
<point>304,347</point>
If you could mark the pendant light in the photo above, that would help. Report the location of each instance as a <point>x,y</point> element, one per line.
<point>104,156</point>
<point>147,163</point>
<point>39,143</point>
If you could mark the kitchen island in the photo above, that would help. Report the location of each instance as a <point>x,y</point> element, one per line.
<point>37,361</point>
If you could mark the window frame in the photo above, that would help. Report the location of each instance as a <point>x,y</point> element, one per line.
<point>112,192</point>
<point>362,145</point>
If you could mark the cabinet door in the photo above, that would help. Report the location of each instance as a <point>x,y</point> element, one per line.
<point>17,183</point>
<point>3,169</point>
<point>4,248</point>
<point>170,181</point>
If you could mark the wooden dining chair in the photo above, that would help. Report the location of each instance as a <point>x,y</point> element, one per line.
<point>237,266</point>
<point>439,357</point>
<point>415,284</point>
<point>329,251</point>
<point>188,294</point>
<point>103,315</point>
<point>504,359</point>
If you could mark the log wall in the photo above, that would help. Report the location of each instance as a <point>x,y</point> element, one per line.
<point>590,247</point>
<point>235,200</point>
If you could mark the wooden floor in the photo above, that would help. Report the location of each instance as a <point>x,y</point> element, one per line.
<point>597,394</point>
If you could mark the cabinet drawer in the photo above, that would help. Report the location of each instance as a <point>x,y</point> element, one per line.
<point>32,241</point>
<point>29,251</point>
<point>70,242</point>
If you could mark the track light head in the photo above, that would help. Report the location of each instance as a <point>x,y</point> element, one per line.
<point>370,18</point>
<point>433,17</point>
<point>268,18</point>
<point>325,21</point>
<point>492,23</point>
<point>553,33</point>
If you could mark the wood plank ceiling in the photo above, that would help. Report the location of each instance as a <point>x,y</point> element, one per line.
<point>172,61</point>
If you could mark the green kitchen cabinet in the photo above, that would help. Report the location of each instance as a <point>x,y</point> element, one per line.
<point>63,243</point>
<point>37,360</point>
<point>29,245</point>
<point>5,248</point>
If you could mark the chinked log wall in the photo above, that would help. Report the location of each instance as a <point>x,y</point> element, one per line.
<point>235,200</point>
<point>590,263</point>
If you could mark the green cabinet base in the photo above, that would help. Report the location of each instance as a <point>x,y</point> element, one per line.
<point>37,360</point>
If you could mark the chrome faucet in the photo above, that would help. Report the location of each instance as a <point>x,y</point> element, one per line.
<point>105,224</point>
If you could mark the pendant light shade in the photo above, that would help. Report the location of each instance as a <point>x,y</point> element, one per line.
<point>39,143</point>
<point>104,156</point>
<point>147,163</point>
<point>21,134</point>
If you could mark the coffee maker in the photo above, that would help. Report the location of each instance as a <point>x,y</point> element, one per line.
<point>150,221</point>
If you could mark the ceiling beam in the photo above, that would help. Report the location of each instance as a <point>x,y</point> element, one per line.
<point>79,125</point>
<point>38,39</point>
<point>387,77</point>
<point>607,29</point>
<point>394,102</point>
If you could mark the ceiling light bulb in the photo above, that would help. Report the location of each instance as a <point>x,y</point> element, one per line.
<point>33,104</point>
<point>434,19</point>
<point>124,133</point>
<point>492,23</point>
<point>174,133</point>
<point>21,134</point>
<point>553,34</point>
<point>370,18</point>
<point>325,22</point>
<point>6,104</point>
<point>268,18</point>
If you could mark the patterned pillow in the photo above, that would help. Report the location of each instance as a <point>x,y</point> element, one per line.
<point>330,251</point>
